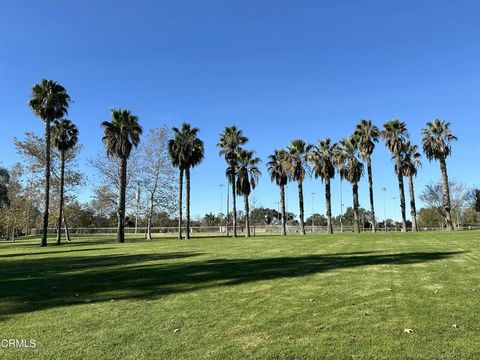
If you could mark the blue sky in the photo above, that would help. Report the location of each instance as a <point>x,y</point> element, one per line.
<point>277,69</point>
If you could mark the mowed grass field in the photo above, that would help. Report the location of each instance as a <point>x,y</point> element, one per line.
<point>344,296</point>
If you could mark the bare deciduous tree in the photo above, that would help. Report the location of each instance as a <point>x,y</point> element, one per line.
<point>157,177</point>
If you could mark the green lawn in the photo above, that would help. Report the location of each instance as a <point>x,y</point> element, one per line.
<point>317,297</point>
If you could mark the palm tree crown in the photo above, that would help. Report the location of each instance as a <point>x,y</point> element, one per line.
<point>276,168</point>
<point>122,133</point>
<point>49,100</point>
<point>65,135</point>
<point>395,134</point>
<point>323,159</point>
<point>349,167</point>
<point>411,159</point>
<point>367,135</point>
<point>436,139</point>
<point>186,149</point>
<point>230,140</point>
<point>296,159</point>
<point>247,172</point>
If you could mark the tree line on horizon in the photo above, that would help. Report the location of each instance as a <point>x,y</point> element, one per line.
<point>347,158</point>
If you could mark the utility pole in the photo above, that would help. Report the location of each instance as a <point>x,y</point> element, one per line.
<point>384,189</point>
<point>138,206</point>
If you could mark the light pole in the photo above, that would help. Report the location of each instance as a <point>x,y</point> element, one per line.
<point>384,189</point>
<point>313,211</point>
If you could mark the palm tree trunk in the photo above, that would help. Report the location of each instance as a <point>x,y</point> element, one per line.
<point>234,205</point>
<point>370,190</point>
<point>300,203</point>
<point>282,205</point>
<point>446,194</point>
<point>62,183</point>
<point>121,201</point>
<point>402,192</point>
<point>47,183</point>
<point>247,216</point>
<point>413,209</point>
<point>356,224</point>
<point>187,188</point>
<point>67,230</point>
<point>180,197</point>
<point>328,205</point>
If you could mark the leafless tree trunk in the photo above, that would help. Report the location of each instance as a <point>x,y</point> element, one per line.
<point>67,230</point>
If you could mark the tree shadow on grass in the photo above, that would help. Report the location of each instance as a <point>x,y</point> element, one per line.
<point>36,284</point>
<point>53,252</point>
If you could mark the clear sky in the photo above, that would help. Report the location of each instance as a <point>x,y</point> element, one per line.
<point>277,69</point>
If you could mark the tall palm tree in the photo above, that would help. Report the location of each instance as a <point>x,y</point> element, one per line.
<point>194,153</point>
<point>121,134</point>
<point>177,150</point>
<point>296,161</point>
<point>436,140</point>
<point>247,173</point>
<point>367,135</point>
<point>65,137</point>
<point>279,175</point>
<point>410,164</point>
<point>231,139</point>
<point>351,169</point>
<point>323,159</point>
<point>49,101</point>
<point>395,135</point>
